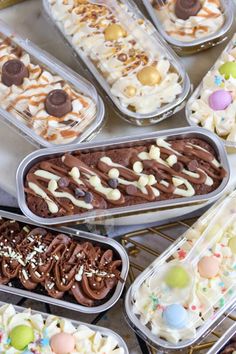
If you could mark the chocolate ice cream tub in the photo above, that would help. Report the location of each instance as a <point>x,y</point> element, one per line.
<point>44,100</point>
<point>191,28</point>
<point>24,234</point>
<point>144,79</point>
<point>124,176</point>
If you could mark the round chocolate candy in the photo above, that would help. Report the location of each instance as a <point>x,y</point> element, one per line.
<point>175,316</point>
<point>220,100</point>
<point>208,267</point>
<point>149,76</point>
<point>20,336</point>
<point>14,72</point>
<point>187,8</point>
<point>193,165</point>
<point>58,103</point>
<point>178,166</point>
<point>79,193</point>
<point>177,277</point>
<point>113,32</point>
<point>62,343</point>
<point>113,183</point>
<point>228,69</point>
<point>63,182</point>
<point>88,198</point>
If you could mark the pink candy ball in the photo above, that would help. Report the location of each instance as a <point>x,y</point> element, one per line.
<point>208,267</point>
<point>62,343</point>
<point>220,100</point>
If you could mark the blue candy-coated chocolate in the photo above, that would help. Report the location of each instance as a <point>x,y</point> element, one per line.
<point>175,316</point>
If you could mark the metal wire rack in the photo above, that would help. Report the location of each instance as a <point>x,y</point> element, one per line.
<point>143,247</point>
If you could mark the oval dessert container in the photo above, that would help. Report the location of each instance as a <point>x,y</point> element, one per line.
<point>188,47</point>
<point>114,210</point>
<point>68,300</point>
<point>221,120</point>
<point>222,343</point>
<point>63,323</point>
<point>27,104</point>
<point>121,65</point>
<point>182,295</point>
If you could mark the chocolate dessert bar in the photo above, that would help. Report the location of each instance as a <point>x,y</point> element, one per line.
<point>83,181</point>
<point>56,263</point>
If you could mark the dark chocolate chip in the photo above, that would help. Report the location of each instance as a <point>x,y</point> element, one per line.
<point>113,183</point>
<point>14,72</point>
<point>178,166</point>
<point>88,198</point>
<point>187,8</point>
<point>79,193</point>
<point>63,182</point>
<point>131,190</point>
<point>122,57</point>
<point>58,103</point>
<point>193,165</point>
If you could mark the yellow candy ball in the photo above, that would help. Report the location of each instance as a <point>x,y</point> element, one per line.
<point>130,91</point>
<point>149,76</point>
<point>113,32</point>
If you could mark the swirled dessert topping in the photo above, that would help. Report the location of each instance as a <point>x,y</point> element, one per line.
<point>79,182</point>
<point>31,92</point>
<point>57,263</point>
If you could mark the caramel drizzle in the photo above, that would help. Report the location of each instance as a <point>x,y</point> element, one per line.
<point>38,257</point>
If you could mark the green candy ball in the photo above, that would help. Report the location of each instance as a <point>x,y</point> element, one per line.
<point>232,244</point>
<point>21,336</point>
<point>228,69</point>
<point>177,277</point>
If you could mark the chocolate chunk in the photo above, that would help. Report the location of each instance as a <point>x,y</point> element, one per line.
<point>122,57</point>
<point>79,193</point>
<point>88,198</point>
<point>113,183</point>
<point>193,165</point>
<point>131,190</point>
<point>63,182</point>
<point>187,8</point>
<point>178,167</point>
<point>14,72</point>
<point>58,103</point>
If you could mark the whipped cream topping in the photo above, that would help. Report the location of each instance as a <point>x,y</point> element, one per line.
<point>87,340</point>
<point>207,21</point>
<point>222,122</point>
<point>119,60</point>
<point>213,236</point>
<point>27,101</point>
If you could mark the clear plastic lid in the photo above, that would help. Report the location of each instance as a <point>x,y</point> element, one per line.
<point>185,24</point>
<point>44,99</point>
<point>213,103</point>
<point>185,291</point>
<point>124,52</point>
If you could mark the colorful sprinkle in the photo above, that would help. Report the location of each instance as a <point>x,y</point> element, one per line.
<point>181,254</point>
<point>218,80</point>
<point>193,307</point>
<point>222,302</point>
<point>221,284</point>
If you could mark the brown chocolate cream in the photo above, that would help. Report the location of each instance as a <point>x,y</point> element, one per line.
<point>56,263</point>
<point>85,181</point>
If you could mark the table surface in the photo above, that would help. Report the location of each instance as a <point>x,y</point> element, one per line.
<point>29,20</point>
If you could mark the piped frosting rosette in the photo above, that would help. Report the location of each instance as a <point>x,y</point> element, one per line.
<point>29,332</point>
<point>214,106</point>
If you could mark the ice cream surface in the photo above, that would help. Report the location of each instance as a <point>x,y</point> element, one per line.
<point>123,50</point>
<point>50,335</point>
<point>43,101</point>
<point>189,20</point>
<point>176,304</point>
<point>214,105</point>
<point>85,181</point>
<point>56,264</point>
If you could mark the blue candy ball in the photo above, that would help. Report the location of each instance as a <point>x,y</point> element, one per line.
<point>175,316</point>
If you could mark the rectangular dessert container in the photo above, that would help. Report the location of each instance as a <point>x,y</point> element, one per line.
<point>198,44</point>
<point>223,341</point>
<point>105,332</point>
<point>203,312</point>
<point>128,142</point>
<point>23,107</point>
<point>168,96</point>
<point>219,82</point>
<point>6,3</point>
<point>69,302</point>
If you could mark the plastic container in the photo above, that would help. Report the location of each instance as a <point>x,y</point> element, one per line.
<point>25,100</point>
<point>64,324</point>
<point>186,290</point>
<point>219,346</point>
<point>6,3</point>
<point>68,301</point>
<point>222,21</point>
<point>138,47</point>
<point>199,108</point>
<point>116,210</point>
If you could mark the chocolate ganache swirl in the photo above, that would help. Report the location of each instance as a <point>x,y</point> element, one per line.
<point>83,181</point>
<point>37,257</point>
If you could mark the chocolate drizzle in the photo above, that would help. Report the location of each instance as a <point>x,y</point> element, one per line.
<point>78,182</point>
<point>57,263</point>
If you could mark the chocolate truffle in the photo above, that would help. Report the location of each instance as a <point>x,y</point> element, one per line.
<point>14,72</point>
<point>58,103</point>
<point>187,8</point>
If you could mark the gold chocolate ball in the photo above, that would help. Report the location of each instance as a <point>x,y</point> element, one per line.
<point>149,76</point>
<point>130,91</point>
<point>113,32</point>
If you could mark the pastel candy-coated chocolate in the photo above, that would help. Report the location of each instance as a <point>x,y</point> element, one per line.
<point>175,316</point>
<point>228,69</point>
<point>62,343</point>
<point>208,267</point>
<point>220,100</point>
<point>21,336</point>
<point>177,277</point>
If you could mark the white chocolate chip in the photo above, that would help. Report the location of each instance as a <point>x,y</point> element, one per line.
<point>143,180</point>
<point>114,173</point>
<point>75,173</point>
<point>154,153</point>
<point>52,185</point>
<point>106,160</point>
<point>114,194</point>
<point>171,160</point>
<point>151,180</point>
<point>138,167</point>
